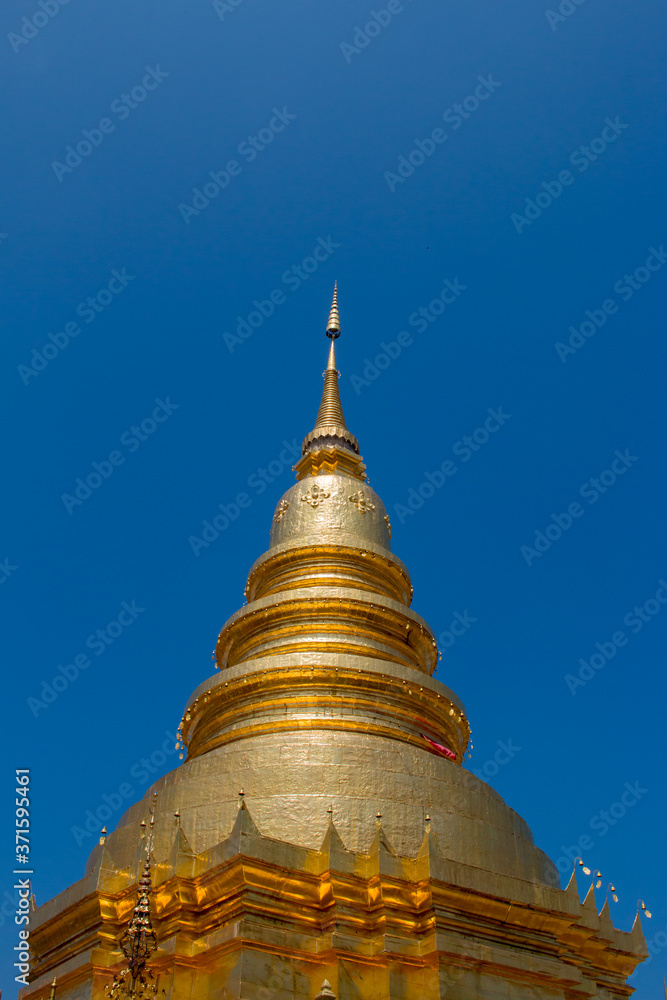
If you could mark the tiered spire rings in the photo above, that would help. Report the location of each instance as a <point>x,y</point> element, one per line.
<point>333,326</point>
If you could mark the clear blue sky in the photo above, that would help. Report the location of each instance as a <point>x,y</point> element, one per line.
<point>540,199</point>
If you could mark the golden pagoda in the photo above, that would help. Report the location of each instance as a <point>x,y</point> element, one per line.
<point>322,840</point>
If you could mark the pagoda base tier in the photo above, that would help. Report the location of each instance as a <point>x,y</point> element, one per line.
<point>256,918</point>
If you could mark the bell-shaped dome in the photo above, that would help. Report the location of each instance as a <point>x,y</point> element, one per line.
<point>335,507</point>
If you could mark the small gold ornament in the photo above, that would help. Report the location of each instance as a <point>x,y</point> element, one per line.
<point>361,502</point>
<point>388,523</point>
<point>281,510</point>
<point>315,496</point>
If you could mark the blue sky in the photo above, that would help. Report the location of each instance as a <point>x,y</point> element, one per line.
<point>226,163</point>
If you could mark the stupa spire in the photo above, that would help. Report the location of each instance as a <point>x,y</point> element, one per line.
<point>330,445</point>
<point>331,410</point>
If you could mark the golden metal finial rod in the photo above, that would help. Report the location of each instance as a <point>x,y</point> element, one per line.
<point>331,411</point>
<point>333,326</point>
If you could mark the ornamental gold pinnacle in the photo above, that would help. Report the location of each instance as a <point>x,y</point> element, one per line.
<point>331,412</point>
<point>330,445</point>
<point>333,326</point>
<point>139,941</point>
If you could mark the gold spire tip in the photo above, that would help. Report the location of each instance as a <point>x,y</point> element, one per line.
<point>333,326</point>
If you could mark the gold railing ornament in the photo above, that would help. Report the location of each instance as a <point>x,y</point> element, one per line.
<point>326,993</point>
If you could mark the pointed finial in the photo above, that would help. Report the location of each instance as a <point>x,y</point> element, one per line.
<point>103,835</point>
<point>330,446</point>
<point>52,994</point>
<point>138,941</point>
<point>333,326</point>
<point>326,993</point>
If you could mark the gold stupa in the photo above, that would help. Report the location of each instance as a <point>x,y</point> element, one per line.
<point>322,839</point>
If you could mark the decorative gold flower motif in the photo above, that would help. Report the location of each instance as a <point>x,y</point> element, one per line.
<point>281,510</point>
<point>361,502</point>
<point>388,523</point>
<point>315,496</point>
